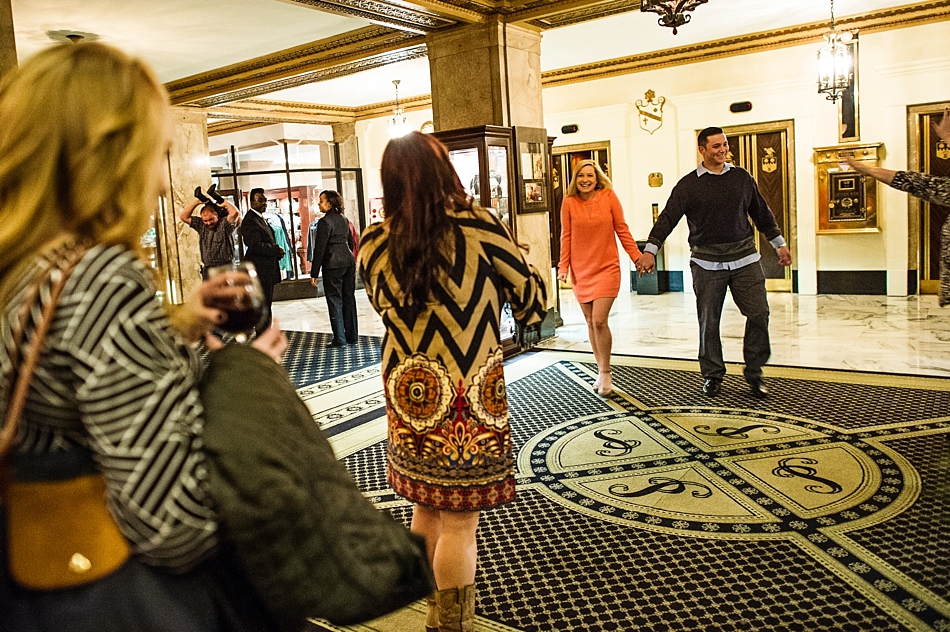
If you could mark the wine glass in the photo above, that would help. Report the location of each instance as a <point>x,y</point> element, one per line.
<point>244,300</point>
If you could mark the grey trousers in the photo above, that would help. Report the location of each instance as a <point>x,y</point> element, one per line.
<point>748,292</point>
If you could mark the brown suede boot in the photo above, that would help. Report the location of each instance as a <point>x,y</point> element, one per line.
<point>432,615</point>
<point>456,609</point>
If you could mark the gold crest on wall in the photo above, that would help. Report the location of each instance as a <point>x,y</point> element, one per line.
<point>943,150</point>
<point>650,111</point>
<point>655,179</point>
<point>769,161</point>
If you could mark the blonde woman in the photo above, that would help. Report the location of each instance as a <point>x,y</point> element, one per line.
<point>82,162</point>
<point>591,220</point>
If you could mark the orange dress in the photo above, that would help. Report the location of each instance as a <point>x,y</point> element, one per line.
<point>588,246</point>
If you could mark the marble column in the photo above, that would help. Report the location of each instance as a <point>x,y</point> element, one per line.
<point>490,74</point>
<point>8,59</point>
<point>189,167</point>
<point>486,74</point>
<point>345,134</point>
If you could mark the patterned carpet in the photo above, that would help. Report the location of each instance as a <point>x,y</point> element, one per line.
<point>824,507</point>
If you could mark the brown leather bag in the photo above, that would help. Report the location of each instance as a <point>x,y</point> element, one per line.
<point>60,533</point>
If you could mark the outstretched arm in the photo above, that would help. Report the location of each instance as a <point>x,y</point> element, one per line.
<point>878,173</point>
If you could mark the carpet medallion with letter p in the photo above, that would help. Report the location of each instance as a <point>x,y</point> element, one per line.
<point>824,507</point>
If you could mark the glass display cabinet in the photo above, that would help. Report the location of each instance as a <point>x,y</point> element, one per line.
<point>506,170</point>
<point>482,158</point>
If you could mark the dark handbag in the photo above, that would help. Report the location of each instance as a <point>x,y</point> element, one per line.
<point>60,532</point>
<point>309,541</point>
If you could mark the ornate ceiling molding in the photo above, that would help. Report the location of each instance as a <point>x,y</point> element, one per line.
<point>217,128</point>
<point>386,13</point>
<point>899,17</point>
<point>351,47</point>
<point>461,10</point>
<point>582,13</point>
<point>548,14</point>
<point>304,78</point>
<point>376,110</point>
<point>266,112</point>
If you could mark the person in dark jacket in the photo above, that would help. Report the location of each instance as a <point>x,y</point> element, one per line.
<point>262,250</point>
<point>718,200</point>
<point>333,253</point>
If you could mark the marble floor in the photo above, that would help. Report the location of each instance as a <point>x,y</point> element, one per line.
<point>909,335</point>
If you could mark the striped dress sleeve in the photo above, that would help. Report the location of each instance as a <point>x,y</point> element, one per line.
<point>115,378</point>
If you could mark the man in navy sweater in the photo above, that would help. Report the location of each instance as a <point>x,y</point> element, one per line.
<point>718,200</point>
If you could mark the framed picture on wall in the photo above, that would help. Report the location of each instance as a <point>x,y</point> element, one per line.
<point>533,170</point>
<point>849,121</point>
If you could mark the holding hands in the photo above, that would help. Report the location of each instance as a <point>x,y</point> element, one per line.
<point>646,263</point>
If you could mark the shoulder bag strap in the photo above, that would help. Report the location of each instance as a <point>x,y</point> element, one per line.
<point>21,387</point>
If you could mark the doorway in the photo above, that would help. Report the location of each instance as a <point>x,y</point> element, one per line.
<point>564,159</point>
<point>766,151</point>
<point>928,154</point>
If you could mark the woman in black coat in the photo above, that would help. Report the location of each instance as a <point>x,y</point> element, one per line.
<point>333,252</point>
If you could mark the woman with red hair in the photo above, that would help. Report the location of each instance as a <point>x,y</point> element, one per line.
<point>438,270</point>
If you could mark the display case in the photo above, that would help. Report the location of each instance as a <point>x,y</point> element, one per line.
<point>488,161</point>
<point>482,157</point>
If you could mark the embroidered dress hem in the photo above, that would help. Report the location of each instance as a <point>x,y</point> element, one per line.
<point>457,498</point>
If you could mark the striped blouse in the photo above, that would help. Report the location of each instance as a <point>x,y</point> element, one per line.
<point>114,378</point>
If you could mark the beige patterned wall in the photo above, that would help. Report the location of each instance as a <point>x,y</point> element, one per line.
<point>188,168</point>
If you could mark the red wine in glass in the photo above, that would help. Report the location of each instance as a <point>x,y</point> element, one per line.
<point>244,308</point>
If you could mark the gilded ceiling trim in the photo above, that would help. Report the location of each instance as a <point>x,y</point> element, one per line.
<point>899,17</point>
<point>547,14</point>
<point>380,12</point>
<point>470,12</point>
<point>345,48</point>
<point>304,78</point>
<point>225,127</point>
<point>266,112</point>
<point>585,13</point>
<point>376,110</point>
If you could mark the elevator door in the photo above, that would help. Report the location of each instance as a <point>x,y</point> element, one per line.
<point>764,154</point>
<point>564,160</point>
<point>935,160</point>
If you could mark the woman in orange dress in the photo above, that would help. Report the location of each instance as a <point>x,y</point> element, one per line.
<point>590,217</point>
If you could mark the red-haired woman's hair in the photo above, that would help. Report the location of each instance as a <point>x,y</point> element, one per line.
<point>420,192</point>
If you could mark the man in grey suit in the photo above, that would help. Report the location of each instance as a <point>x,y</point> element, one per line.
<point>261,249</point>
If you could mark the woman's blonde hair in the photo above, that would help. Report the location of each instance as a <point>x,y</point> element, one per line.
<point>603,182</point>
<point>82,130</point>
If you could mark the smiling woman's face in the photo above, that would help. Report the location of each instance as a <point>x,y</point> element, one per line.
<point>586,180</point>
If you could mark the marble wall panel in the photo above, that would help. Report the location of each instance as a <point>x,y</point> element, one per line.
<point>188,168</point>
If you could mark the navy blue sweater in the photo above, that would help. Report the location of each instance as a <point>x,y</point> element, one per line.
<point>717,210</point>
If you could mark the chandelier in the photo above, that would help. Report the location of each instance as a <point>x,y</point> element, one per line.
<point>835,65</point>
<point>671,12</point>
<point>398,124</point>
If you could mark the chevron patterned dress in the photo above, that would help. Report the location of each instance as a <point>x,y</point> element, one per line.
<point>449,438</point>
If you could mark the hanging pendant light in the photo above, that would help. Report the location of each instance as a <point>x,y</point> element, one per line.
<point>398,124</point>
<point>672,12</point>
<point>835,65</point>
